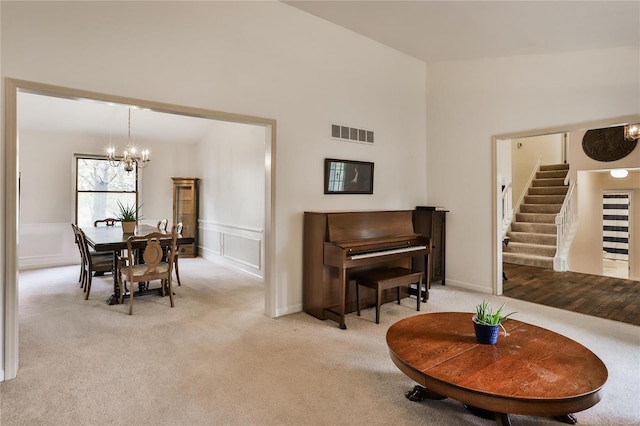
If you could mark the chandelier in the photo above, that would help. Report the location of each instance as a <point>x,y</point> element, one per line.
<point>632,131</point>
<point>131,158</point>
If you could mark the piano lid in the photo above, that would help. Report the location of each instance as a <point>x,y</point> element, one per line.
<point>351,226</point>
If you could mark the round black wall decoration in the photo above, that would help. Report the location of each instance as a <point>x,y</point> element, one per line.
<point>607,144</point>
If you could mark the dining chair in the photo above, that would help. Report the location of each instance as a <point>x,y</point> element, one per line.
<point>90,261</point>
<point>108,221</point>
<point>153,268</point>
<point>77,238</point>
<point>176,256</point>
<point>162,225</point>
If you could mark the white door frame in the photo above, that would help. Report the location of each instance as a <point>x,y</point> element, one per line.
<point>630,230</point>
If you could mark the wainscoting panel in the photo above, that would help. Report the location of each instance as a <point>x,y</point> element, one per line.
<point>211,240</point>
<point>241,249</point>
<point>44,245</point>
<point>237,247</point>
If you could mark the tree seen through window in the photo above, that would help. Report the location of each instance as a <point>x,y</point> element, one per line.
<point>99,187</point>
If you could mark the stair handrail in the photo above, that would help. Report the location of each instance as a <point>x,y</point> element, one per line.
<point>532,176</point>
<point>566,219</point>
<point>506,200</point>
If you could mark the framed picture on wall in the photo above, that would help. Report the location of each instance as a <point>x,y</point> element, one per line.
<point>347,177</point>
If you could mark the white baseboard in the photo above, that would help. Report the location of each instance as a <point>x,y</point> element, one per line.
<point>289,310</point>
<point>468,286</point>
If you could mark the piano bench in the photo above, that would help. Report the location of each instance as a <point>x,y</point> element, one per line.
<point>386,278</point>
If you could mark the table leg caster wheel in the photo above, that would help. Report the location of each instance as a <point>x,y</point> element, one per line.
<point>420,393</point>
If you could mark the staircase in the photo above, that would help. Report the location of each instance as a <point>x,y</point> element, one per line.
<point>533,235</point>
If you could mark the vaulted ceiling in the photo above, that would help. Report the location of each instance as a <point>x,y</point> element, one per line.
<point>431,31</point>
<point>435,31</point>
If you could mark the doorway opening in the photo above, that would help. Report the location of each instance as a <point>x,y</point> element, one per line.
<point>504,197</point>
<point>12,187</point>
<point>615,234</point>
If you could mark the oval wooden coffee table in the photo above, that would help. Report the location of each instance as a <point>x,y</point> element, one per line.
<point>532,371</point>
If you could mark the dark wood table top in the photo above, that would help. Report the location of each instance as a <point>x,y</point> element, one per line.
<point>110,238</point>
<point>532,371</point>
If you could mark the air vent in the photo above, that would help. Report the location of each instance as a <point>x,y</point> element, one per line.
<point>351,134</point>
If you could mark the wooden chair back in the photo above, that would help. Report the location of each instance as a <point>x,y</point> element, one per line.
<point>155,267</point>
<point>162,225</point>
<point>178,230</point>
<point>90,261</point>
<point>78,241</point>
<point>108,221</point>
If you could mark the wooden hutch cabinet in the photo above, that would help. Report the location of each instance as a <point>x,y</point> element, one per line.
<point>431,223</point>
<point>185,210</point>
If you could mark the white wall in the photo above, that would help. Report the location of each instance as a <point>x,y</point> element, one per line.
<point>525,153</point>
<point>232,196</point>
<point>469,102</point>
<point>264,59</point>
<point>167,160</point>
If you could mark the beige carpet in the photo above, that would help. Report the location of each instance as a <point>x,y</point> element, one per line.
<point>215,359</point>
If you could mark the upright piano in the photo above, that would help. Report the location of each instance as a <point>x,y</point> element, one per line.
<point>337,244</point>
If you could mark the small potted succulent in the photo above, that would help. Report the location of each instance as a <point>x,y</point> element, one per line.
<point>128,215</point>
<point>488,323</point>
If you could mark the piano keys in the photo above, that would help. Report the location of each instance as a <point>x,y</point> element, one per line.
<point>337,244</point>
<point>386,252</point>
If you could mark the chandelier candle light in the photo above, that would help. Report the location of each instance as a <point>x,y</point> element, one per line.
<point>130,157</point>
<point>632,132</point>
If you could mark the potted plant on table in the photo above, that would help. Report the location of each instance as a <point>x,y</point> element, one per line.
<point>128,216</point>
<point>487,323</point>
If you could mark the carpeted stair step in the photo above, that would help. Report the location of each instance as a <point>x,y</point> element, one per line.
<point>540,208</point>
<point>547,182</point>
<point>531,238</point>
<point>532,249</point>
<point>546,167</point>
<point>551,174</point>
<point>536,217</point>
<point>536,228</point>
<point>544,199</point>
<point>522,259</point>
<point>549,190</point>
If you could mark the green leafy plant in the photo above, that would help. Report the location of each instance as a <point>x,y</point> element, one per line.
<point>127,213</point>
<point>485,315</point>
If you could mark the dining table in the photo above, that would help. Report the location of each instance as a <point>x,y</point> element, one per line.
<point>112,239</point>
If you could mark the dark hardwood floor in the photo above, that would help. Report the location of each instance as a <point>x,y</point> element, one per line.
<point>605,297</point>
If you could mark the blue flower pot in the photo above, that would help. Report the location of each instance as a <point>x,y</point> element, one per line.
<point>487,334</point>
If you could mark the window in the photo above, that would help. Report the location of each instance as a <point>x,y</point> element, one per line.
<point>99,187</point>
<point>336,177</point>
